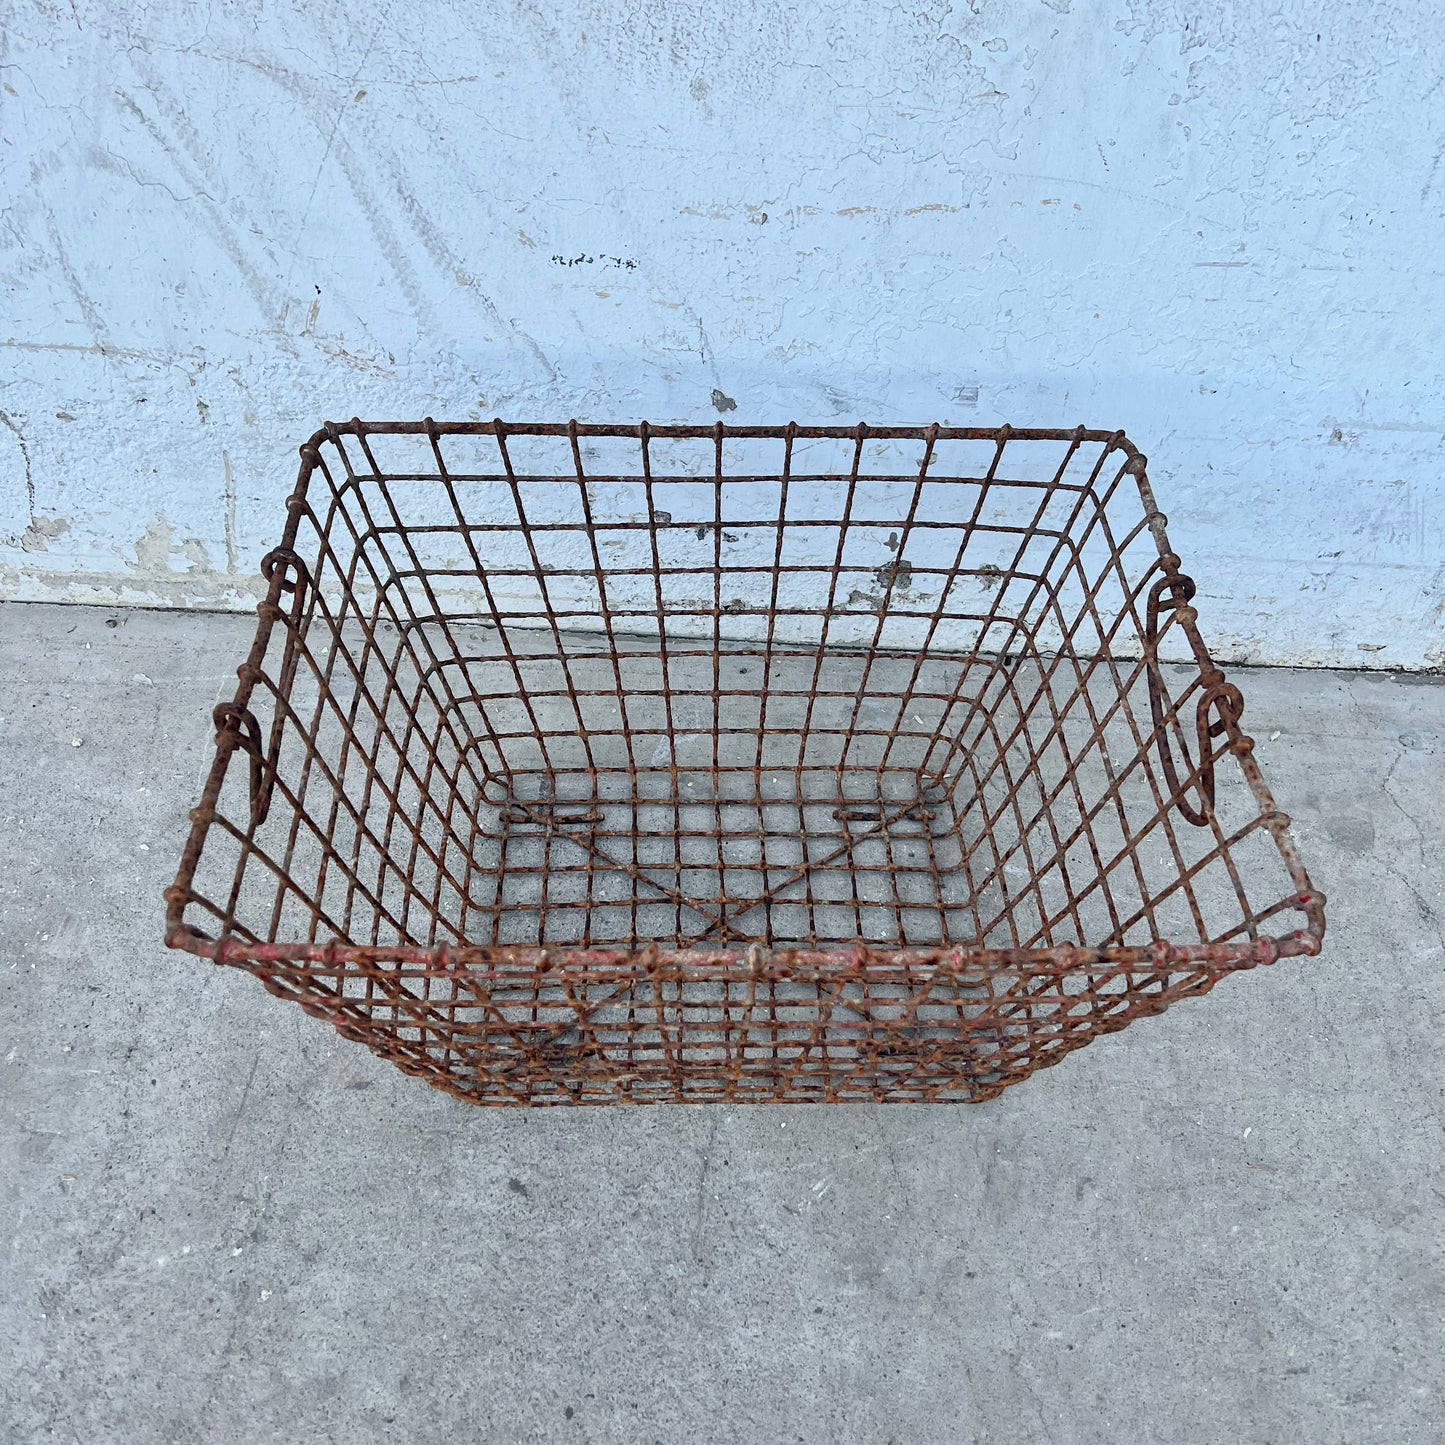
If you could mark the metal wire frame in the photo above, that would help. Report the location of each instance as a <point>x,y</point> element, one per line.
<point>561,795</point>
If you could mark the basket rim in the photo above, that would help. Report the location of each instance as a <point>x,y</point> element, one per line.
<point>743,960</point>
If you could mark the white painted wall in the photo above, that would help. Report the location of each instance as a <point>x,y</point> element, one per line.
<point>1218,225</point>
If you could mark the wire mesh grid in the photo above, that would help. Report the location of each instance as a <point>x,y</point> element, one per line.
<point>586,764</point>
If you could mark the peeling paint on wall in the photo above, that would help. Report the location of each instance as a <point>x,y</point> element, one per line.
<point>42,531</point>
<point>1217,227</point>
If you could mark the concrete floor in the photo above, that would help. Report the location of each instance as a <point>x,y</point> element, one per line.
<point>224,1224</point>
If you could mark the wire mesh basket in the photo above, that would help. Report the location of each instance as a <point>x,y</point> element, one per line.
<point>603,764</point>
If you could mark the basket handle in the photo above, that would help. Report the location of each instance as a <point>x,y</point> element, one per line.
<point>282,566</point>
<point>238,726</point>
<point>1219,708</point>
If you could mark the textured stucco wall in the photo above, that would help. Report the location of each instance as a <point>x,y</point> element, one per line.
<point>1217,225</point>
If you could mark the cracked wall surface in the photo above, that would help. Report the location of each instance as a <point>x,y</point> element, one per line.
<point>1217,226</point>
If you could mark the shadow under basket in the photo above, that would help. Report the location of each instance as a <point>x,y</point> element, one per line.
<point>626,764</point>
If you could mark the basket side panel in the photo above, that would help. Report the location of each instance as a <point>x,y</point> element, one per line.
<point>648,1032</point>
<point>1097,811</point>
<point>368,787</point>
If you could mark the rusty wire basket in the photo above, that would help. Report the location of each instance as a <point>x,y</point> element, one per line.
<point>595,764</point>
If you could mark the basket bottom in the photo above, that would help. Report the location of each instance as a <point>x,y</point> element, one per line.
<point>728,857</point>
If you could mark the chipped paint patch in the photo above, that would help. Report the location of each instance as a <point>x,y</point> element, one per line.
<point>585,258</point>
<point>153,548</point>
<point>42,531</point>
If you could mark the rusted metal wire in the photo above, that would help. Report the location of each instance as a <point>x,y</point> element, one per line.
<point>601,764</point>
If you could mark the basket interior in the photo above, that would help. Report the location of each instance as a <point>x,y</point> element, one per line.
<point>727,689</point>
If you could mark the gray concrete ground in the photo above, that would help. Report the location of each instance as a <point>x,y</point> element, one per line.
<point>221,1223</point>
